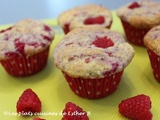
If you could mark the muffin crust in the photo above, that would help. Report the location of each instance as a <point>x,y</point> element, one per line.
<point>145,15</point>
<point>152,40</point>
<point>25,37</point>
<point>80,55</point>
<point>76,16</point>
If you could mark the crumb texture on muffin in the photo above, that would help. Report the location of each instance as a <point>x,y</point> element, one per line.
<point>152,40</point>
<point>92,52</point>
<point>141,14</point>
<point>83,15</point>
<point>26,37</point>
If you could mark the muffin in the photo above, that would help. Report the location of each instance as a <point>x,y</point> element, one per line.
<point>92,59</point>
<point>138,18</point>
<point>85,15</point>
<point>152,43</point>
<point>24,47</point>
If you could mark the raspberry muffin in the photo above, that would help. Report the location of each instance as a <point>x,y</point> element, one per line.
<point>138,18</point>
<point>152,43</point>
<point>24,47</point>
<point>92,60</point>
<point>85,15</point>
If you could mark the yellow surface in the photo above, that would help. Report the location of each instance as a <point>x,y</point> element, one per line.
<point>54,91</point>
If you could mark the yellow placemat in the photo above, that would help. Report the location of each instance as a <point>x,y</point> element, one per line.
<point>54,91</point>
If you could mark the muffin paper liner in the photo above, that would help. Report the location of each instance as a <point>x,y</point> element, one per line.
<point>134,35</point>
<point>94,88</point>
<point>155,64</point>
<point>26,66</point>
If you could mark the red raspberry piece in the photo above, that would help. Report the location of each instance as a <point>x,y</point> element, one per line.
<point>46,38</point>
<point>95,20</point>
<point>113,70</point>
<point>134,5</point>
<point>103,42</point>
<point>74,112</point>
<point>20,46</point>
<point>136,108</point>
<point>47,28</point>
<point>1,31</point>
<point>19,49</point>
<point>11,54</point>
<point>28,102</point>
<point>66,28</point>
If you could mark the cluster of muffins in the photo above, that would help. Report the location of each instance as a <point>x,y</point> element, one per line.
<point>92,57</point>
<point>83,62</point>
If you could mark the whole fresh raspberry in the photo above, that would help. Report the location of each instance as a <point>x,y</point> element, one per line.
<point>136,108</point>
<point>74,112</point>
<point>28,103</point>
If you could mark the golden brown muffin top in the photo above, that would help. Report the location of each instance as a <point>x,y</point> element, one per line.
<point>26,37</point>
<point>92,52</point>
<point>83,15</point>
<point>152,40</point>
<point>141,14</point>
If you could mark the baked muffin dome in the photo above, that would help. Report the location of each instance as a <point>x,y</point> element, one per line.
<point>152,40</point>
<point>141,14</point>
<point>92,52</point>
<point>83,15</point>
<point>26,37</point>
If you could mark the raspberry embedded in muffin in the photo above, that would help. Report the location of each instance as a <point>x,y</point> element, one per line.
<point>134,5</point>
<point>66,28</point>
<point>47,28</point>
<point>19,45</point>
<point>1,31</point>
<point>11,54</point>
<point>113,70</point>
<point>103,42</point>
<point>19,49</point>
<point>94,20</point>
